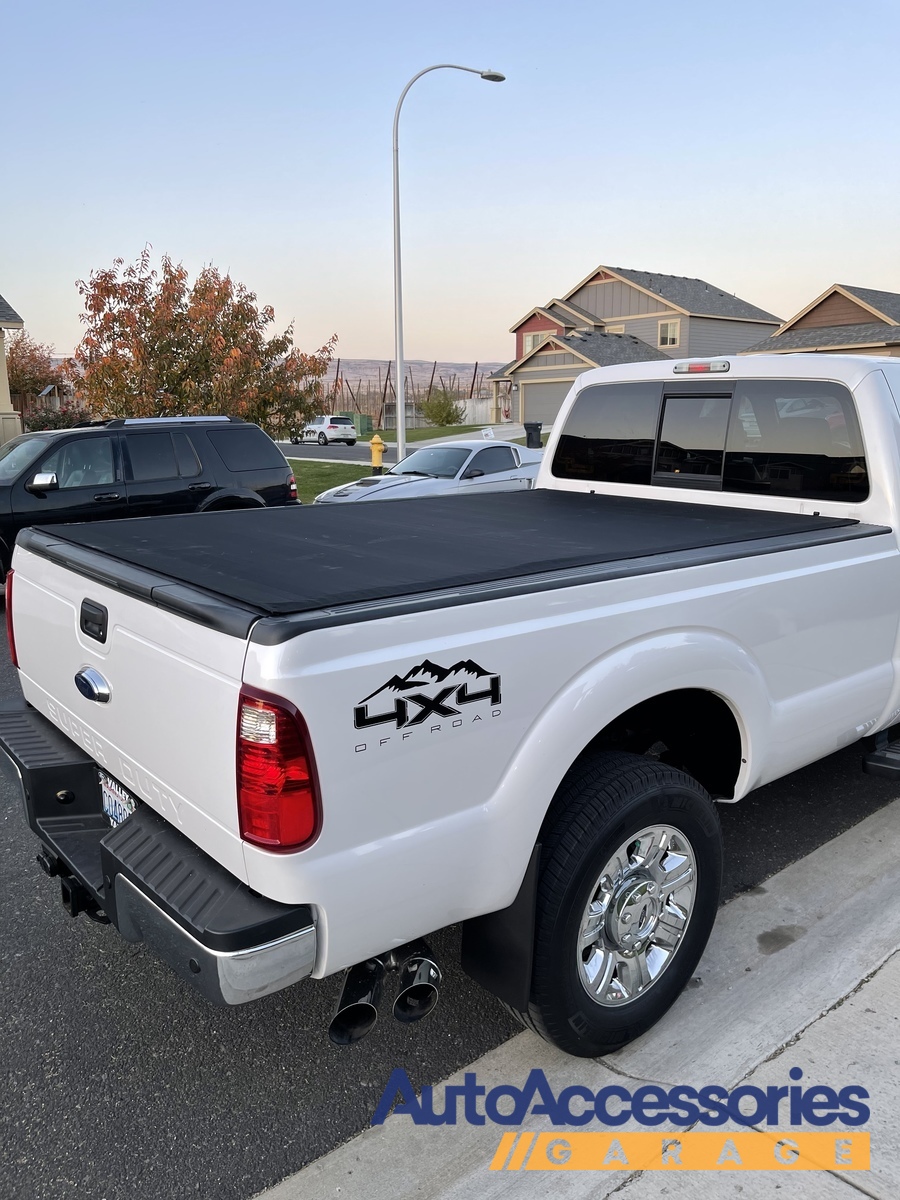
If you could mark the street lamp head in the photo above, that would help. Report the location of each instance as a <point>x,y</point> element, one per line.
<point>493,76</point>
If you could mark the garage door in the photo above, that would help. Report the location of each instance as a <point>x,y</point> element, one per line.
<point>542,401</point>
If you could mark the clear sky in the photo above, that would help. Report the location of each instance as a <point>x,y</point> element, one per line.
<point>753,145</point>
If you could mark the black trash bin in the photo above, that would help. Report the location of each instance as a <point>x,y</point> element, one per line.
<point>533,434</point>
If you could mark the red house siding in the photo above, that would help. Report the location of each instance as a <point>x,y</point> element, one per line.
<point>534,324</point>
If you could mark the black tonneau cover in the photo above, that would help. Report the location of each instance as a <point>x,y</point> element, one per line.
<point>279,561</point>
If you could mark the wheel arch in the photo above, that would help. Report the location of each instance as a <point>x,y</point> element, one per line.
<point>231,498</point>
<point>613,704</point>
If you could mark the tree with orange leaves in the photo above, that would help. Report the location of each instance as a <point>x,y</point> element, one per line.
<point>30,366</point>
<point>156,345</point>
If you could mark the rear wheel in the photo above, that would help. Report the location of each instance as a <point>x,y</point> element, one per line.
<point>323,440</point>
<point>631,872</point>
<point>351,441</point>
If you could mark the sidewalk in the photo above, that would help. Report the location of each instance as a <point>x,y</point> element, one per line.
<point>802,972</point>
<point>503,433</point>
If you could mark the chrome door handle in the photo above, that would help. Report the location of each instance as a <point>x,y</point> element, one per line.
<point>199,487</point>
<point>102,496</point>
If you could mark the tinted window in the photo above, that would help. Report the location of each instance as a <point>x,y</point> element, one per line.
<point>246,448</point>
<point>692,438</point>
<point>152,456</point>
<point>440,461</point>
<point>494,459</point>
<point>17,454</point>
<point>609,434</point>
<point>83,462</point>
<point>340,421</point>
<point>795,438</point>
<point>185,456</point>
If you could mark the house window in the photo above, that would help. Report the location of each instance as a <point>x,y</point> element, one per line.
<point>530,340</point>
<point>669,332</point>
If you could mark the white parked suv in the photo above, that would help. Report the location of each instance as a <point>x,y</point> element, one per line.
<point>327,429</point>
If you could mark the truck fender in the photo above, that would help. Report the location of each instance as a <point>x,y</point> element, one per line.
<point>632,673</point>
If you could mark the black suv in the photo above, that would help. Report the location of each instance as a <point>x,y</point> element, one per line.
<point>137,468</point>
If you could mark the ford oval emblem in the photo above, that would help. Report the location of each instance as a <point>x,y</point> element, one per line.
<point>92,685</point>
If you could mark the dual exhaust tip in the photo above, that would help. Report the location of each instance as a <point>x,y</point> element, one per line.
<point>419,983</point>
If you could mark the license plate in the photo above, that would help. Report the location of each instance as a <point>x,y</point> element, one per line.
<point>117,802</point>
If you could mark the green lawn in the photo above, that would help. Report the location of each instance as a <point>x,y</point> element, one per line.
<point>422,435</point>
<point>313,477</point>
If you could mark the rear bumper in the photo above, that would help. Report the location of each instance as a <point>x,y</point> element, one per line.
<point>229,943</point>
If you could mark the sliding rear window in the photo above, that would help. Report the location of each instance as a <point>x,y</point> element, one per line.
<point>793,438</point>
<point>610,434</point>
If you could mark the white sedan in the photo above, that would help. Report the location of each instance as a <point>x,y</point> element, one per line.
<point>447,468</point>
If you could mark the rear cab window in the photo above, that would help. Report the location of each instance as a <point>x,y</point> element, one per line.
<point>796,438</point>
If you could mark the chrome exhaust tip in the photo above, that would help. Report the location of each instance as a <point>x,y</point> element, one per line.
<point>357,1008</point>
<point>420,981</point>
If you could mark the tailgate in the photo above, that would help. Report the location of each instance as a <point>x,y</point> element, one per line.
<point>168,731</point>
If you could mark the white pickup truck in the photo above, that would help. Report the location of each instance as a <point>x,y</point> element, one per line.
<point>277,744</point>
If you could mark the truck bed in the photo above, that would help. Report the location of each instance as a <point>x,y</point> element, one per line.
<point>229,569</point>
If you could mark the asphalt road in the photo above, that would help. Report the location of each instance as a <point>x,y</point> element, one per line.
<point>360,453</point>
<point>121,1083</point>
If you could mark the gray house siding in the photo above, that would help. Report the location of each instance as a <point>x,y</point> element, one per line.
<point>647,329</point>
<point>570,372</point>
<point>709,336</point>
<point>608,300</point>
<point>552,358</point>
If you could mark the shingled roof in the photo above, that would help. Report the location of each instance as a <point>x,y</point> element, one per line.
<point>887,303</point>
<point>602,349</point>
<point>875,333</point>
<point>695,296</point>
<point>9,318</point>
<point>610,349</point>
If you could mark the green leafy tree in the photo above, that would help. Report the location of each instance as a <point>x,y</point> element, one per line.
<point>442,408</point>
<point>156,344</point>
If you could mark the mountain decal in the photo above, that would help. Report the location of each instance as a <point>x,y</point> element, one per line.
<point>427,673</point>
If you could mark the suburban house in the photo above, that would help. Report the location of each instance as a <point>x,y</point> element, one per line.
<point>617,315</point>
<point>843,320</point>
<point>10,421</point>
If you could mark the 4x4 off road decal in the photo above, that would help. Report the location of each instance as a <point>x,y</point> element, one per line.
<point>428,692</point>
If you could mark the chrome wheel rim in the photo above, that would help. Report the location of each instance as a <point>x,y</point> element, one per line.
<point>636,917</point>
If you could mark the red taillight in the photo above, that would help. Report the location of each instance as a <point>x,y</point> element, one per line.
<point>292,484</point>
<point>278,801</point>
<point>10,632</point>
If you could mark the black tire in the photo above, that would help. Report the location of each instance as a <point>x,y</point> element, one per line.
<point>295,441</point>
<point>602,803</point>
<point>323,440</point>
<point>352,442</point>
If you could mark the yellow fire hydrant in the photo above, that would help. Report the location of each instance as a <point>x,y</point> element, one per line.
<point>377,452</point>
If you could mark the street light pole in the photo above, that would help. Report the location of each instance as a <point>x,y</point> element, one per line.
<point>400,387</point>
